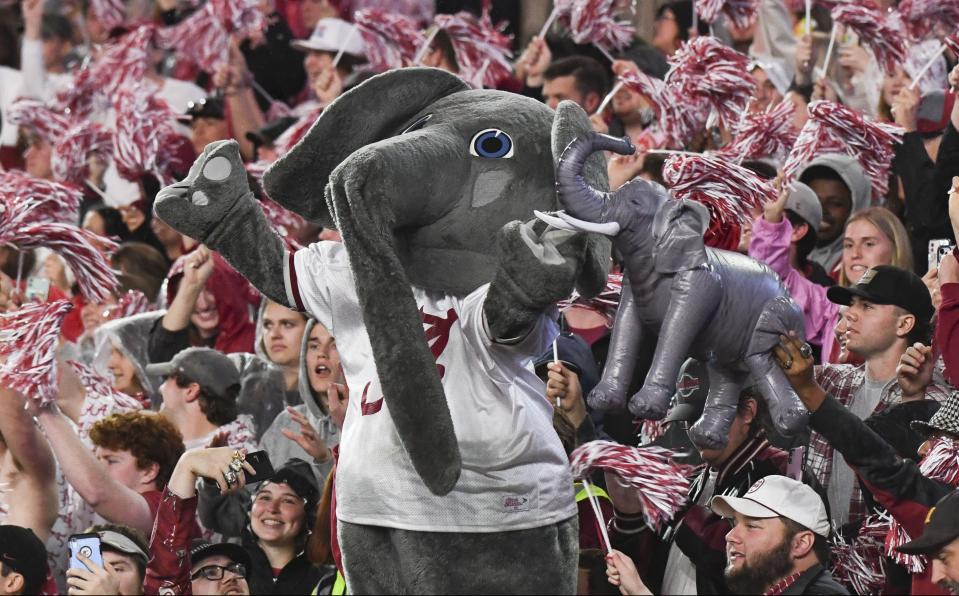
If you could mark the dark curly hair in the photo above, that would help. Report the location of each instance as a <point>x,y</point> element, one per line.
<point>149,437</point>
<point>219,410</point>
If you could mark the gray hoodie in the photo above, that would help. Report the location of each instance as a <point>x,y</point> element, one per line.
<point>131,336</point>
<point>282,449</point>
<point>860,189</point>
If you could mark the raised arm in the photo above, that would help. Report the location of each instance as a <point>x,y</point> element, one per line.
<point>34,502</point>
<point>111,500</point>
<point>215,206</point>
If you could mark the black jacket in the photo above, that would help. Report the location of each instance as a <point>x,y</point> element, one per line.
<point>299,576</point>
<point>816,580</point>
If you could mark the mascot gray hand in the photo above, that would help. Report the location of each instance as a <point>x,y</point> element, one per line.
<point>543,265</point>
<point>216,183</point>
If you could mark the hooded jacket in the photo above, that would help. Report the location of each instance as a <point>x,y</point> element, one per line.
<point>860,191</point>
<point>131,336</point>
<point>282,449</point>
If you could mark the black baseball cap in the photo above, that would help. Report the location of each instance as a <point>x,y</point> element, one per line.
<point>271,131</point>
<point>941,528</point>
<point>885,284</point>
<point>24,553</point>
<point>692,386</point>
<point>204,549</point>
<point>208,107</point>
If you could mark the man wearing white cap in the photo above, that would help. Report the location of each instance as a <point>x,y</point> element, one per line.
<point>325,75</point>
<point>778,543</point>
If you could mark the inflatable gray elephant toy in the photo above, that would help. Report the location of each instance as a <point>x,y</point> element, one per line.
<point>717,306</point>
<point>450,477</point>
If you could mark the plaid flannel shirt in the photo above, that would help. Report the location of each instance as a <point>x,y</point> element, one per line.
<point>842,381</point>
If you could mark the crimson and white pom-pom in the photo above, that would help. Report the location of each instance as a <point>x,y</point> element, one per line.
<point>764,134</point>
<point>606,302</point>
<point>482,49</point>
<point>240,16</point>
<point>706,69</point>
<point>202,38</point>
<point>678,119</point>
<point>144,140</point>
<point>865,18</point>
<point>102,389</point>
<point>110,13</point>
<point>664,485</point>
<point>940,463</point>
<point>50,124</point>
<point>923,16</point>
<point>727,190</point>
<point>952,42</point>
<point>742,13</point>
<point>595,22</point>
<point>28,344</point>
<point>125,61</point>
<point>833,127</point>
<point>391,40</point>
<point>285,222</point>
<point>133,302</point>
<point>26,200</point>
<point>860,564</point>
<point>93,273</point>
<point>73,149</point>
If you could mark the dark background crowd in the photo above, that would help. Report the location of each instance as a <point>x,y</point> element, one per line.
<point>170,381</point>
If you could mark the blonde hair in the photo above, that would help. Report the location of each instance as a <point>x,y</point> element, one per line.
<point>889,226</point>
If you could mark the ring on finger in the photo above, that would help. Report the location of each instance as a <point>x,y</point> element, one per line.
<point>230,477</point>
<point>788,363</point>
<point>805,350</point>
<point>236,466</point>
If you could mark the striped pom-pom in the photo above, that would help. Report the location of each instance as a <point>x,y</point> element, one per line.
<point>866,19</point>
<point>595,22</point>
<point>482,49</point>
<point>705,69</point>
<point>742,13</point>
<point>764,134</point>
<point>391,40</point>
<point>663,486</point>
<point>28,344</point>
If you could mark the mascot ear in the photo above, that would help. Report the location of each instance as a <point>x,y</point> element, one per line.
<point>570,122</point>
<point>374,110</point>
<point>678,232</point>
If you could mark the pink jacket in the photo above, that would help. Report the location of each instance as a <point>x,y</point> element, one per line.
<point>770,245</point>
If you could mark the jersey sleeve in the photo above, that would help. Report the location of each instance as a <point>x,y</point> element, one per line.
<point>310,274</point>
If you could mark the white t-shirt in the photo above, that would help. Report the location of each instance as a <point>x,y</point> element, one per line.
<point>515,473</point>
<point>11,89</point>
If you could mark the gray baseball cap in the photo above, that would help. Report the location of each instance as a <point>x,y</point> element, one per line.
<point>212,370</point>
<point>803,202</point>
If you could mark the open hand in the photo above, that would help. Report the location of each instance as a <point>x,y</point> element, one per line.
<point>307,438</point>
<point>92,580</point>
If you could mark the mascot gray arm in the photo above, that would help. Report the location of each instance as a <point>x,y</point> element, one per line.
<point>536,270</point>
<point>215,206</point>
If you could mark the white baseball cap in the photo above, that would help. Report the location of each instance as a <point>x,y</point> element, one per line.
<point>778,496</point>
<point>332,34</point>
<point>804,202</point>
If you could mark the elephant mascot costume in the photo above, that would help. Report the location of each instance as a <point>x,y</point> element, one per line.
<point>450,476</point>
<point>717,306</point>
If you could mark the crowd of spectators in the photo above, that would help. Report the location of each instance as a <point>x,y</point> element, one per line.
<point>168,384</point>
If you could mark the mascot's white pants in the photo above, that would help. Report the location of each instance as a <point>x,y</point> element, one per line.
<point>381,560</point>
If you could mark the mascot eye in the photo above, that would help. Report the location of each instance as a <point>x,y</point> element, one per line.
<point>492,143</point>
<point>418,124</point>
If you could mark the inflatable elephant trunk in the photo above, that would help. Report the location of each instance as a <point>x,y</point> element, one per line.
<point>582,200</point>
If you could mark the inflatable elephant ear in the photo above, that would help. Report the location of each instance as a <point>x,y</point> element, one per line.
<point>379,108</point>
<point>571,122</point>
<point>678,232</point>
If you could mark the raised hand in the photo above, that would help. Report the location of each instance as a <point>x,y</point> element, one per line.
<point>915,369</point>
<point>307,438</point>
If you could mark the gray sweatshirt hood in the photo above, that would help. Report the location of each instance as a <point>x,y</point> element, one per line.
<point>860,190</point>
<point>309,397</point>
<point>131,336</point>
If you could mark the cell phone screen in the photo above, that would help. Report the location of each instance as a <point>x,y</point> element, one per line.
<point>87,545</point>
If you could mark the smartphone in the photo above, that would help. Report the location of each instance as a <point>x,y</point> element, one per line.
<point>38,288</point>
<point>87,545</point>
<point>938,248</point>
<point>261,464</point>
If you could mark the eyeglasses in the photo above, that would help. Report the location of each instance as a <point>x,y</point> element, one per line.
<point>215,572</point>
